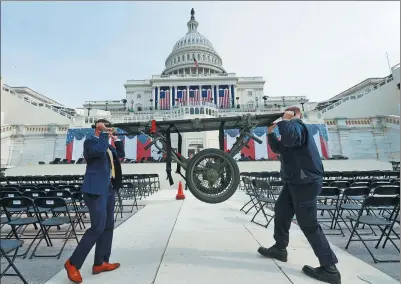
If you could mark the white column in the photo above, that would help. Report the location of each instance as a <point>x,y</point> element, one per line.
<point>171,99</point>
<point>212,86</point>
<point>153,97</point>
<point>218,96</point>
<point>229,95</point>
<point>200,94</point>
<point>187,97</point>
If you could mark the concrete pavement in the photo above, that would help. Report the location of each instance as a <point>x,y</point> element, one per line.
<point>190,242</point>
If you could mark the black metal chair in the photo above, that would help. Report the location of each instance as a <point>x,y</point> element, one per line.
<point>329,195</point>
<point>6,247</point>
<point>128,191</point>
<point>372,203</point>
<point>21,204</point>
<point>350,202</point>
<point>80,208</point>
<point>264,198</point>
<point>54,203</point>
<point>252,196</point>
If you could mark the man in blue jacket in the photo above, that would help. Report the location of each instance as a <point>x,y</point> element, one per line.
<point>302,173</point>
<point>102,177</point>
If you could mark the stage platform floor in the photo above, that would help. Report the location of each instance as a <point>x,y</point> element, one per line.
<point>191,242</point>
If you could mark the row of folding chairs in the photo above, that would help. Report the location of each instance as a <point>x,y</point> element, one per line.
<point>329,175</point>
<point>57,179</point>
<point>72,187</point>
<point>43,212</point>
<point>362,180</point>
<point>41,179</point>
<point>365,206</point>
<point>44,205</point>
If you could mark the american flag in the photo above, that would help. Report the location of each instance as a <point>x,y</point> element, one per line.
<point>181,96</point>
<point>164,101</point>
<point>224,98</point>
<point>194,97</point>
<point>207,95</point>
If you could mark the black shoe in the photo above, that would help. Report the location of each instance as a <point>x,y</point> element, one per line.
<point>328,274</point>
<point>274,252</point>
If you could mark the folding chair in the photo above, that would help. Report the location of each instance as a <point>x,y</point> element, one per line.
<point>327,194</point>
<point>126,192</point>
<point>24,188</point>
<point>54,203</point>
<point>385,225</point>
<point>46,187</point>
<point>7,246</point>
<point>377,183</point>
<point>263,198</point>
<point>21,204</point>
<point>248,191</point>
<point>350,202</point>
<point>80,207</point>
<point>340,183</point>
<point>156,181</point>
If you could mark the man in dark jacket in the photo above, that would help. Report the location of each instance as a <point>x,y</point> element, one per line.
<point>302,174</point>
<point>103,176</point>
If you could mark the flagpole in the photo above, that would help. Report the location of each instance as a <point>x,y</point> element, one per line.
<point>388,62</point>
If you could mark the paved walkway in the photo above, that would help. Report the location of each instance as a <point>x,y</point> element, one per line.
<point>177,242</point>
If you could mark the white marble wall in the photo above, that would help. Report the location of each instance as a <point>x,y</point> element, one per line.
<point>367,138</point>
<point>27,145</point>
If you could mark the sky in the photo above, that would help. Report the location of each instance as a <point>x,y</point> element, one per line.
<point>77,51</point>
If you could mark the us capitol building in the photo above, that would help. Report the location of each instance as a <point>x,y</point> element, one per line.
<point>194,78</point>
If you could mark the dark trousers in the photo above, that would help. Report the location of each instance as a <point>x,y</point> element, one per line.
<point>301,200</point>
<point>101,211</point>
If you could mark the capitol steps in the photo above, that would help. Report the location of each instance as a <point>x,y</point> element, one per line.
<point>18,110</point>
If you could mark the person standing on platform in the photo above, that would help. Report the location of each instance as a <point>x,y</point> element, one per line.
<point>302,173</point>
<point>102,177</point>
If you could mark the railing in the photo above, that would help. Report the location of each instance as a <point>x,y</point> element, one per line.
<point>393,119</point>
<point>103,102</point>
<point>7,128</point>
<point>360,95</point>
<point>178,112</point>
<point>34,94</point>
<point>190,76</point>
<point>38,104</point>
<point>237,108</point>
<point>40,128</point>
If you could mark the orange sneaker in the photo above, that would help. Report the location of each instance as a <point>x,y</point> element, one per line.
<point>96,269</point>
<point>72,272</point>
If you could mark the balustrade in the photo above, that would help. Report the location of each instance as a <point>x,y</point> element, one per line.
<point>64,112</point>
<point>360,95</point>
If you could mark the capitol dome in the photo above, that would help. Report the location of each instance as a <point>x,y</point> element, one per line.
<point>190,47</point>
